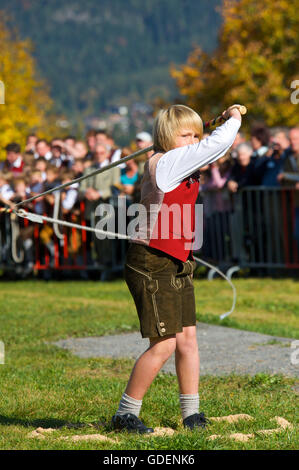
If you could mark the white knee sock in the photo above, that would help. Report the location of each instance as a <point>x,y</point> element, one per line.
<point>189,404</point>
<point>129,404</point>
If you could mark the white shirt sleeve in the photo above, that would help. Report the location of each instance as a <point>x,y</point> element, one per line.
<point>181,162</point>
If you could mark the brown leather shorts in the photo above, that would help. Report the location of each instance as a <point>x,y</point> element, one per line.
<point>162,290</point>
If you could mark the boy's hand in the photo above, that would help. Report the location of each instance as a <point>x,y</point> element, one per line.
<point>233,111</point>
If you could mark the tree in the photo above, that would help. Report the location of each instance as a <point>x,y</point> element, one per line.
<point>254,64</point>
<point>26,102</point>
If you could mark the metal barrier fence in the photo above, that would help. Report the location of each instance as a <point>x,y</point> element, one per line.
<point>27,246</point>
<point>259,230</point>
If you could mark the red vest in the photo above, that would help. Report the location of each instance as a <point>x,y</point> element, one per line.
<point>173,230</point>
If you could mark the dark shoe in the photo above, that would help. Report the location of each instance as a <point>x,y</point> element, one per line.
<point>130,423</point>
<point>198,420</point>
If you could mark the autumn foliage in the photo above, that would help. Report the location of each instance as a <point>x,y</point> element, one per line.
<point>254,64</point>
<point>26,99</point>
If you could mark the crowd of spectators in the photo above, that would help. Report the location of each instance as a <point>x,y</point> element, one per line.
<point>269,158</point>
<point>44,165</point>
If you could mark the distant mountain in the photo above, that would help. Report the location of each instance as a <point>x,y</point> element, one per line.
<point>95,53</point>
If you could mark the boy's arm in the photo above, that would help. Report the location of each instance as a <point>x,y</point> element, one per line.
<point>181,162</point>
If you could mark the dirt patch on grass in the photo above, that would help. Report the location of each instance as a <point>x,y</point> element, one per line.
<point>283,424</point>
<point>41,433</point>
<point>88,437</point>
<point>233,418</point>
<point>162,432</point>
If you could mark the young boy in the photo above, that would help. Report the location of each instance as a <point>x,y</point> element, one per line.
<point>159,270</point>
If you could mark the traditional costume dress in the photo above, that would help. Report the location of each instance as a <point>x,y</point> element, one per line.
<point>159,264</point>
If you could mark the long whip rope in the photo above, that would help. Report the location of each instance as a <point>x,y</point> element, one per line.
<point>226,314</point>
<point>36,218</point>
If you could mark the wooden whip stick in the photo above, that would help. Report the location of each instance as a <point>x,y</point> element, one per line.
<point>218,120</point>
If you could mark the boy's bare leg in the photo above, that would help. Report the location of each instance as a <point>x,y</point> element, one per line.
<point>149,364</point>
<point>187,360</point>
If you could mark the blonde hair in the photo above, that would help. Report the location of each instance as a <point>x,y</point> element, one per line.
<point>169,122</point>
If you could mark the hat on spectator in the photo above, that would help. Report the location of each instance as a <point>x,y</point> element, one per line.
<point>144,136</point>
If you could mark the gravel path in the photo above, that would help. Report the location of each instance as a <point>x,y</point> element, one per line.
<point>222,350</point>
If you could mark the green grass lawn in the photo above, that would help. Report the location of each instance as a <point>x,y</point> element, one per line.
<point>42,385</point>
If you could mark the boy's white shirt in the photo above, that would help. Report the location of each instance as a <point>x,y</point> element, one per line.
<point>181,162</point>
